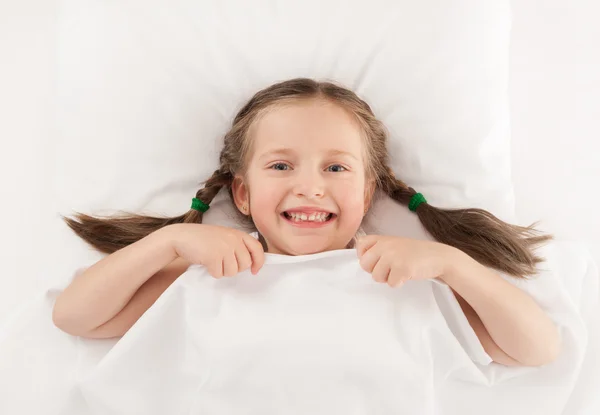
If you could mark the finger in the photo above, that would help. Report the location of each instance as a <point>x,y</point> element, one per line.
<point>256,252</point>
<point>395,278</point>
<point>230,264</point>
<point>244,260</point>
<point>365,243</point>
<point>381,270</point>
<point>369,259</point>
<point>216,268</point>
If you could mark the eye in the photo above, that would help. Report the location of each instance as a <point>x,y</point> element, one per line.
<point>338,168</point>
<point>279,166</point>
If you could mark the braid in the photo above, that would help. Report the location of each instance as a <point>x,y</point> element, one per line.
<point>212,186</point>
<point>478,233</point>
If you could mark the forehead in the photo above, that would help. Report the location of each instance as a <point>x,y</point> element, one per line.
<point>314,124</point>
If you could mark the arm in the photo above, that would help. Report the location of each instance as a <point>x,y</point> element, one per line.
<point>489,345</point>
<point>141,301</point>
<point>512,328</point>
<point>103,290</point>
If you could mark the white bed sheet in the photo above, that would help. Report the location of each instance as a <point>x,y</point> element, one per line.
<point>40,366</point>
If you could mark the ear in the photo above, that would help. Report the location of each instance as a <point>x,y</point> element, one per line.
<point>239,189</point>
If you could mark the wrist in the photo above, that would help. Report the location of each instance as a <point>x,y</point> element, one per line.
<point>167,238</point>
<point>454,260</point>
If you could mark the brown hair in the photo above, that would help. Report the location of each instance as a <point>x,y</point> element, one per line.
<point>490,241</point>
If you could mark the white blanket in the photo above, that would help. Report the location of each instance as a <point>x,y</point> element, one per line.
<point>309,334</point>
<point>315,334</point>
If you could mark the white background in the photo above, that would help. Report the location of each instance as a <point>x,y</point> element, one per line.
<point>555,106</point>
<point>555,115</point>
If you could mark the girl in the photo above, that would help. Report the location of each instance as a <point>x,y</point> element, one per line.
<point>302,162</point>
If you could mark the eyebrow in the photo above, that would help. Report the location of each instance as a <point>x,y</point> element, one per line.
<point>288,152</point>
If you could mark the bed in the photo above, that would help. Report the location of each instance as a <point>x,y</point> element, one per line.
<point>145,91</point>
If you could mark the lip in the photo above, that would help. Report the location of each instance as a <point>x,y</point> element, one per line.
<point>307,209</point>
<point>307,224</point>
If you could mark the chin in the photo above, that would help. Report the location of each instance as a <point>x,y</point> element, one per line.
<point>303,250</point>
<point>311,248</point>
<point>305,245</point>
<point>314,250</point>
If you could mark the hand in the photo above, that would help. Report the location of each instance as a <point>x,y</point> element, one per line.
<point>224,251</point>
<point>395,260</point>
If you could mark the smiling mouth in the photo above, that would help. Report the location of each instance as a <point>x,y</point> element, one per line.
<point>328,218</point>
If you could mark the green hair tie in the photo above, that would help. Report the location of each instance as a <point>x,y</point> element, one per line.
<point>415,201</point>
<point>199,205</point>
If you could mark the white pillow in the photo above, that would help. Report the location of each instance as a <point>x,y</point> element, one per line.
<point>147,90</point>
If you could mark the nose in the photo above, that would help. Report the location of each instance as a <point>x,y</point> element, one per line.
<point>309,184</point>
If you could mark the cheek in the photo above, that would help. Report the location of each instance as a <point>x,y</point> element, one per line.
<point>263,200</point>
<point>354,213</point>
<point>352,200</point>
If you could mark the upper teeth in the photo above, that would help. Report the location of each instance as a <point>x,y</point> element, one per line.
<point>315,216</point>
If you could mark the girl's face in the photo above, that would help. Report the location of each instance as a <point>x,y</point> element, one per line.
<point>305,183</point>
